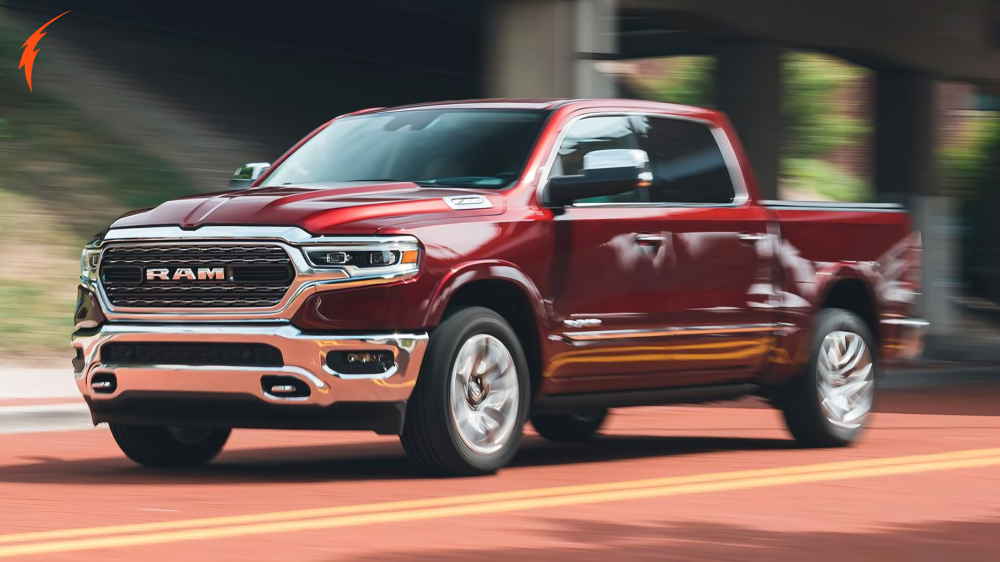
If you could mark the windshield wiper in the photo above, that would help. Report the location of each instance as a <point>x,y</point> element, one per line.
<point>375,179</point>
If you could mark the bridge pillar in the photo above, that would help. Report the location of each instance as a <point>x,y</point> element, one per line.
<point>547,48</point>
<point>905,173</point>
<point>748,89</point>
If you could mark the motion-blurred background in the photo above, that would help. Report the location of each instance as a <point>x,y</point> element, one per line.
<point>836,100</point>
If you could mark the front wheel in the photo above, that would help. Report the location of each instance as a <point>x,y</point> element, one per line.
<point>828,405</point>
<point>467,412</point>
<point>172,447</point>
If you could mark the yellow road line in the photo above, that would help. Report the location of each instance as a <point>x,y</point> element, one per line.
<point>478,498</point>
<point>961,459</point>
<point>495,496</point>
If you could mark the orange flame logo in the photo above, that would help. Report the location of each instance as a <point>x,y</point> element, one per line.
<point>28,56</point>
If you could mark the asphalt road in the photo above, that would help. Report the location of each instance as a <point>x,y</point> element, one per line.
<point>720,482</point>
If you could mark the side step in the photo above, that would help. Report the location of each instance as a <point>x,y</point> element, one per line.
<point>649,397</point>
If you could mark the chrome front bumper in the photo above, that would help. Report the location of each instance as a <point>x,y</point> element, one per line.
<point>304,358</point>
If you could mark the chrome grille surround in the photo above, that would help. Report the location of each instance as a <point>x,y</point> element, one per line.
<point>232,257</point>
<point>306,281</point>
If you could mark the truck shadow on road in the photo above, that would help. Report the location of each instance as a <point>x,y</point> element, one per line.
<point>382,460</point>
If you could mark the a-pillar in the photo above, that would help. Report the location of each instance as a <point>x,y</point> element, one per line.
<point>748,89</point>
<point>905,173</point>
<point>548,48</point>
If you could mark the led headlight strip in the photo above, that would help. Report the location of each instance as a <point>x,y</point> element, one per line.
<point>366,259</point>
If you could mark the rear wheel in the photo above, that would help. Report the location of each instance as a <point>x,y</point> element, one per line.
<point>575,426</point>
<point>828,405</point>
<point>467,412</point>
<point>156,446</point>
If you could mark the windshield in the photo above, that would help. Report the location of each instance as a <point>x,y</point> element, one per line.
<point>432,147</point>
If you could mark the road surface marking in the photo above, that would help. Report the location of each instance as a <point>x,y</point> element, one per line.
<point>500,502</point>
<point>493,496</point>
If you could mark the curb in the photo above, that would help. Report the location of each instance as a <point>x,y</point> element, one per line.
<point>47,417</point>
<point>939,375</point>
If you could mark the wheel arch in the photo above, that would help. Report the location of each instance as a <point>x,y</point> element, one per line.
<point>850,291</point>
<point>506,290</point>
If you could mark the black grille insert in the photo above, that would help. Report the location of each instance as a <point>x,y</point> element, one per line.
<point>196,276</point>
<point>236,354</point>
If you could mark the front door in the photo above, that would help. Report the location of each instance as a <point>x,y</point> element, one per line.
<point>609,274</point>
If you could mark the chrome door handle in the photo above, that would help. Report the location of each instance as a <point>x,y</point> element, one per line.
<point>751,239</point>
<point>650,239</point>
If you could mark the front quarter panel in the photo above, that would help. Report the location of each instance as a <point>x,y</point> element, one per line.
<point>454,254</point>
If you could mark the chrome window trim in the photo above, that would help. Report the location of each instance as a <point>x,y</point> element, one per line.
<point>741,192</point>
<point>309,279</point>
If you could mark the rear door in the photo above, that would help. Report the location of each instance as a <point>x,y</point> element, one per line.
<point>720,293</point>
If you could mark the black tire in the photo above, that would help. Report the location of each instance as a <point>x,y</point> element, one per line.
<point>576,426</point>
<point>801,401</point>
<point>430,434</point>
<point>163,447</point>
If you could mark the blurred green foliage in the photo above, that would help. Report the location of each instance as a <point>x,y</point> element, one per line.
<point>815,175</point>
<point>816,114</point>
<point>816,121</point>
<point>970,168</point>
<point>969,159</point>
<point>63,177</point>
<point>690,82</point>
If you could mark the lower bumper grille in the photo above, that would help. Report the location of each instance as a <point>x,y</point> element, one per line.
<point>195,354</point>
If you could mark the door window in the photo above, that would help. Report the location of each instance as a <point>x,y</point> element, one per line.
<point>686,162</point>
<point>596,133</point>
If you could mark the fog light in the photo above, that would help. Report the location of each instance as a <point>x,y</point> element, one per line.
<point>104,383</point>
<point>360,362</point>
<point>365,357</point>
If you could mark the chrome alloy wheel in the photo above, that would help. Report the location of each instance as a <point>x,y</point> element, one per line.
<point>484,394</point>
<point>846,379</point>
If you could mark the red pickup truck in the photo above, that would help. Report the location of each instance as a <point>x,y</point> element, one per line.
<point>447,272</point>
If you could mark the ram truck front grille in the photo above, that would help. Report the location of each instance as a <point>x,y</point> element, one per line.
<point>196,276</point>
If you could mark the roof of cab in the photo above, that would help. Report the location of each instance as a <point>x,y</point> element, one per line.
<point>610,104</point>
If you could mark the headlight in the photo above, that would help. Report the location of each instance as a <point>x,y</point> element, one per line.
<point>89,260</point>
<point>361,259</point>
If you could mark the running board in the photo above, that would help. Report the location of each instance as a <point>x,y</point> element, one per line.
<point>650,397</point>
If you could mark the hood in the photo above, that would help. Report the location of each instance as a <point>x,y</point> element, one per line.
<point>327,208</point>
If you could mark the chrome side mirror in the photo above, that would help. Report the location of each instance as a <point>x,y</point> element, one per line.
<point>605,172</point>
<point>247,174</point>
